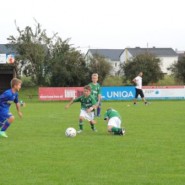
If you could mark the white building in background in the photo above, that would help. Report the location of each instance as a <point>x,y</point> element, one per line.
<point>167,56</point>
<point>111,55</point>
<point>116,57</point>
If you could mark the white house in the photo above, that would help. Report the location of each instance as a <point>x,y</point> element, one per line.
<point>116,57</point>
<point>111,55</point>
<point>167,56</point>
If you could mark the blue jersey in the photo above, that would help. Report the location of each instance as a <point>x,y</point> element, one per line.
<point>6,99</point>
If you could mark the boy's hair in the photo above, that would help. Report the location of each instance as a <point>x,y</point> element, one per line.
<point>95,74</point>
<point>15,81</point>
<point>87,87</point>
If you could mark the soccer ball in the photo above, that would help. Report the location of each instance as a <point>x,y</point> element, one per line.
<point>70,132</point>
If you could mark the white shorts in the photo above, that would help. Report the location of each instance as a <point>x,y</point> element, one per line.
<point>88,116</point>
<point>115,122</point>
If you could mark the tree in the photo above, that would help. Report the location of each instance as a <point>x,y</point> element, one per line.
<point>32,49</point>
<point>178,69</point>
<point>100,65</point>
<point>148,64</point>
<point>68,67</point>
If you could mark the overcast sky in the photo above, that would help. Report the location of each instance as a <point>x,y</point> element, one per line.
<point>102,24</point>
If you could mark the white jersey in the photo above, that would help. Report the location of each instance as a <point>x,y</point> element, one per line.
<point>138,81</point>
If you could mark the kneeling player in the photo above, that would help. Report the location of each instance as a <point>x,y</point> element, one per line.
<point>114,122</point>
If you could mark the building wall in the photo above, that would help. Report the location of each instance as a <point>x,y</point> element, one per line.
<point>115,67</point>
<point>166,62</point>
<point>125,56</point>
<point>115,64</point>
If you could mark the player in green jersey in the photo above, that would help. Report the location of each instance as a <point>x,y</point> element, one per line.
<point>88,105</point>
<point>114,122</point>
<point>96,92</point>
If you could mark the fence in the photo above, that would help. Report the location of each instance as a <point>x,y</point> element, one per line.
<point>113,93</point>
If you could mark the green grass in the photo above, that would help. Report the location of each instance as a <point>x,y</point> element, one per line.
<point>151,153</point>
<point>29,94</point>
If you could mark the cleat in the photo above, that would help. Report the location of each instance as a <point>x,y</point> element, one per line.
<point>123,131</point>
<point>3,134</point>
<point>94,130</point>
<point>79,131</point>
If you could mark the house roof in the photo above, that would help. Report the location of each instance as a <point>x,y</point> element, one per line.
<point>159,52</point>
<point>112,54</point>
<point>7,49</point>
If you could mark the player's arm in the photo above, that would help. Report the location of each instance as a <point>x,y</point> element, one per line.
<point>93,107</point>
<point>99,96</point>
<point>90,109</point>
<point>18,109</point>
<point>99,99</point>
<point>134,80</point>
<point>106,118</point>
<point>69,104</point>
<point>72,101</point>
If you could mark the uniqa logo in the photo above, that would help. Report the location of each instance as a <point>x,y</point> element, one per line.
<point>119,94</point>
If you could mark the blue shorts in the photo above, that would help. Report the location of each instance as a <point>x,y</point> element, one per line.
<point>3,117</point>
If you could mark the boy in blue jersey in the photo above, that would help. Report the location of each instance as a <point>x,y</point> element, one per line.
<point>6,99</point>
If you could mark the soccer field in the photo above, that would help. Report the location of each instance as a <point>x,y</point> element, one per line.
<point>37,152</point>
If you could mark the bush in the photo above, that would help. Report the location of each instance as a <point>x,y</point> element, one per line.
<point>27,82</point>
<point>168,80</point>
<point>113,81</point>
<point>118,81</point>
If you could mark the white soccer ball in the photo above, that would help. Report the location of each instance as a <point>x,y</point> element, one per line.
<point>70,132</point>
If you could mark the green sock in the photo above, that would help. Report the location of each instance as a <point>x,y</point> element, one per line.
<point>81,125</point>
<point>116,130</point>
<point>92,126</point>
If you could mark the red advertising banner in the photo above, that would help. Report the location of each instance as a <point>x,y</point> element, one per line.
<point>59,93</point>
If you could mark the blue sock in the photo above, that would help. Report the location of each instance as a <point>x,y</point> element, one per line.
<point>5,126</point>
<point>98,111</point>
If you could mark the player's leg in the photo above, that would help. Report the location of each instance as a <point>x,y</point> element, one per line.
<point>8,119</point>
<point>118,122</point>
<point>81,118</point>
<point>143,98</point>
<point>136,96</point>
<point>92,124</point>
<point>99,110</point>
<point>114,126</point>
<point>90,118</point>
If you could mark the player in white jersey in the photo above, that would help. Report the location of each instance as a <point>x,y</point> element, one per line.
<point>138,81</point>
